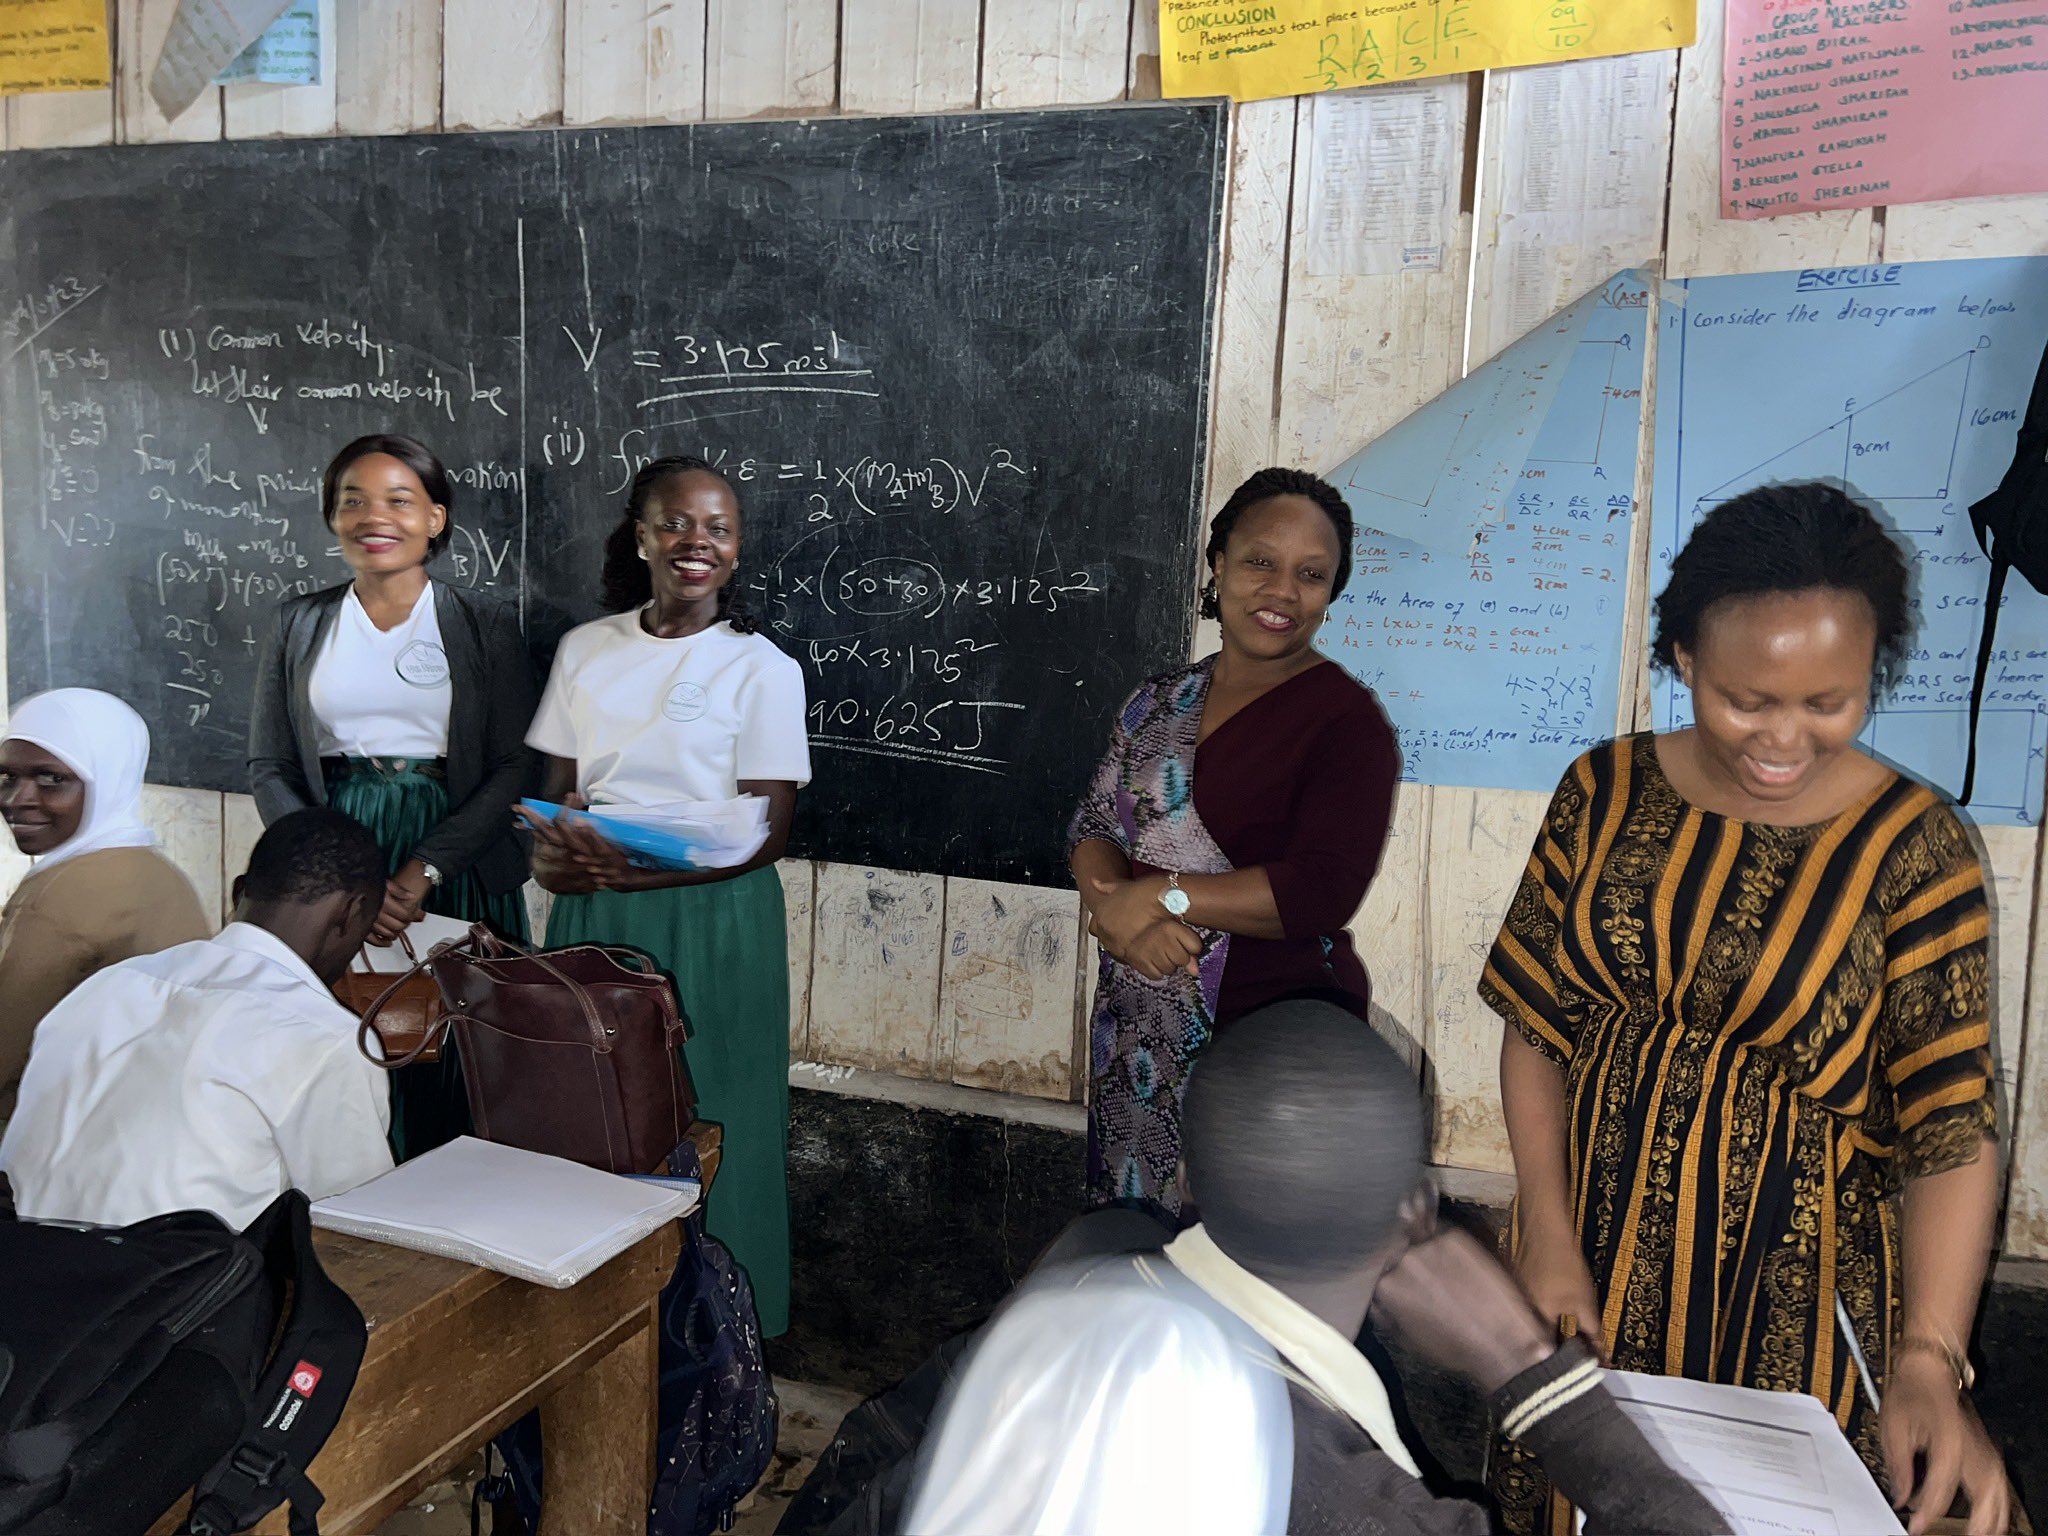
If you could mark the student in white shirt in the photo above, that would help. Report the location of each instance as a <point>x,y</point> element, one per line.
<point>403,701</point>
<point>675,697</point>
<point>217,1074</point>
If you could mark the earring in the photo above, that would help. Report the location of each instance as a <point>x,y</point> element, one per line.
<point>735,567</point>
<point>640,552</point>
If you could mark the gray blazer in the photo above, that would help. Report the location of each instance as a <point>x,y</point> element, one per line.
<point>489,763</point>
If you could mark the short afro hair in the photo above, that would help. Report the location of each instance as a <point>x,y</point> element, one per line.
<point>1303,1137</point>
<point>1264,486</point>
<point>1805,537</point>
<point>310,855</point>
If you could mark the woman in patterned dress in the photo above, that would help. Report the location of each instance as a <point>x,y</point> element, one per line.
<point>1747,1076</point>
<point>1231,830</point>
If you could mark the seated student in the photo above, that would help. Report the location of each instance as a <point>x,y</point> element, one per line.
<point>71,771</point>
<point>216,1075</point>
<point>1302,1143</point>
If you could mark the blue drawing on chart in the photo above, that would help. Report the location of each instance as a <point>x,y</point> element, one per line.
<point>1491,562</point>
<point>1906,383</point>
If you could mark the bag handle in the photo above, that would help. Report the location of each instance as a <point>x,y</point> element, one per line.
<point>367,969</point>
<point>429,1038</point>
<point>487,946</point>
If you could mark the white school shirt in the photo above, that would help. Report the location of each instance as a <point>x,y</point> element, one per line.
<point>209,1076</point>
<point>651,721</point>
<point>382,693</point>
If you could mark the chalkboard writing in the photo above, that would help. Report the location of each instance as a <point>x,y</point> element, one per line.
<point>956,368</point>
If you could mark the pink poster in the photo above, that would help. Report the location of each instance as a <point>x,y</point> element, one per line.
<point>1862,102</point>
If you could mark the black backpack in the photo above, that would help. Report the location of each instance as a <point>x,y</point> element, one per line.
<point>139,1362</point>
<point>2012,530</point>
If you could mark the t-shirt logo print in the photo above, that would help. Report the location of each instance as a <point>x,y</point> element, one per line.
<point>685,703</point>
<point>423,664</point>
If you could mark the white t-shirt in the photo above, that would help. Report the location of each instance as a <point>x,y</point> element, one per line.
<point>651,721</point>
<point>382,692</point>
<point>210,1076</point>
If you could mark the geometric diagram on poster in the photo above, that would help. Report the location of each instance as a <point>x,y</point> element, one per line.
<point>1905,383</point>
<point>1489,622</point>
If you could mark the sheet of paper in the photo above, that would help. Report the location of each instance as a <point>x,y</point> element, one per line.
<point>1495,641</point>
<point>390,959</point>
<point>1775,1463</point>
<point>1847,106</point>
<point>53,45</point>
<point>1289,47</point>
<point>204,38</point>
<point>288,52</point>
<point>1907,383</point>
<point>1383,172</point>
<point>1582,183</point>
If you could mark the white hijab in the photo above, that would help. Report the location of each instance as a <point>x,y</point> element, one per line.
<point>106,744</point>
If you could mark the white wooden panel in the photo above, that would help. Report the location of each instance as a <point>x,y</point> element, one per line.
<point>189,823</point>
<point>2026,1213</point>
<point>2013,854</point>
<point>1633,710</point>
<point>139,30</point>
<point>875,978</point>
<point>799,887</point>
<point>1981,226</point>
<point>1006,986</point>
<point>501,63</point>
<point>1389,931</point>
<point>388,66</point>
<point>909,55</point>
<point>1042,53</point>
<point>1141,82</point>
<point>1700,241</point>
<point>1242,404</point>
<point>1084,1017</point>
<point>1478,844</point>
<point>770,58</point>
<point>1360,353</point>
<point>298,111</point>
<point>240,827</point>
<point>633,61</point>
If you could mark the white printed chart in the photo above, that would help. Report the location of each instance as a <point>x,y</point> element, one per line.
<point>1907,383</point>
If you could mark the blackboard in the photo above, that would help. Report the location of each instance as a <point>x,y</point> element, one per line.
<point>957,367</point>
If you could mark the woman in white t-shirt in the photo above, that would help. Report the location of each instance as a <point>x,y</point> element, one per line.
<point>675,697</point>
<point>403,702</point>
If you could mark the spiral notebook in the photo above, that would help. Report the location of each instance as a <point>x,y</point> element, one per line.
<point>521,1213</point>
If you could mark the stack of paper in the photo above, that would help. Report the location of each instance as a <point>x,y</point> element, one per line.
<point>685,834</point>
<point>539,1218</point>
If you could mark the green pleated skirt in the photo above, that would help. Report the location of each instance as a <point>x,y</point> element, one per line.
<point>727,949</point>
<point>401,805</point>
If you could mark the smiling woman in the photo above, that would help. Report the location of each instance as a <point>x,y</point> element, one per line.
<point>71,772</point>
<point>403,702</point>
<point>1230,832</point>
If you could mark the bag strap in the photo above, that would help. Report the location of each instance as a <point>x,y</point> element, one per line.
<point>368,1025</point>
<point>367,969</point>
<point>1994,592</point>
<point>299,1397</point>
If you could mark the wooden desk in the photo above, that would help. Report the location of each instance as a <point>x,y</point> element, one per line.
<point>457,1354</point>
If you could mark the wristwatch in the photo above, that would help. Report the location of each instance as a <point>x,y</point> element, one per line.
<point>1173,898</point>
<point>433,875</point>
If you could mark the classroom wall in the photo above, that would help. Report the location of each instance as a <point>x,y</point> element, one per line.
<point>986,986</point>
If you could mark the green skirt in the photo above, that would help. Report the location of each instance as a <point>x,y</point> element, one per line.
<point>727,949</point>
<point>400,806</point>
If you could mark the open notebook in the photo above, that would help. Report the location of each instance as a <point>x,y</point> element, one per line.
<point>521,1213</point>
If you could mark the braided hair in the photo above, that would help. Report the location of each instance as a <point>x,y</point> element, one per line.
<point>1804,537</point>
<point>626,583</point>
<point>1264,486</point>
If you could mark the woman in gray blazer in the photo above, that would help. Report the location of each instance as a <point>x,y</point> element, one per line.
<point>404,702</point>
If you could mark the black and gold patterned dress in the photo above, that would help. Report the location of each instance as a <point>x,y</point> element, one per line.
<point>1764,1032</point>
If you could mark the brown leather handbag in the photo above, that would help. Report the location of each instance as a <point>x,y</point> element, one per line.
<point>406,1007</point>
<point>574,1052</point>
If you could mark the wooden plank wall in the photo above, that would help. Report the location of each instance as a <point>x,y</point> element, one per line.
<point>986,985</point>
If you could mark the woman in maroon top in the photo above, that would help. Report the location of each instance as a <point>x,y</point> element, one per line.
<point>1231,830</point>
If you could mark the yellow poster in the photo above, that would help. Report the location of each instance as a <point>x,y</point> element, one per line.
<point>1251,49</point>
<point>53,45</point>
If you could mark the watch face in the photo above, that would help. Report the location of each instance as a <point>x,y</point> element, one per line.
<point>1174,900</point>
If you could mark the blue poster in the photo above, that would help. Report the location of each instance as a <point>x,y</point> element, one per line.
<point>1906,383</point>
<point>287,53</point>
<point>1490,571</point>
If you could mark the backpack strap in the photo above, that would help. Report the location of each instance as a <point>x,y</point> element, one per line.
<point>299,1398</point>
<point>1994,592</point>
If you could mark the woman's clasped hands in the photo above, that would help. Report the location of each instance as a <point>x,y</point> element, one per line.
<point>1126,918</point>
<point>570,856</point>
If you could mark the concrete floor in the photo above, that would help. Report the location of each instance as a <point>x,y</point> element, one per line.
<point>809,1417</point>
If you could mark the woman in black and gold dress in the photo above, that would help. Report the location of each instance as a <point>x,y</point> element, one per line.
<point>1747,1078</point>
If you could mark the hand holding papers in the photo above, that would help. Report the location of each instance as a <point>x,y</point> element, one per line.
<point>684,834</point>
